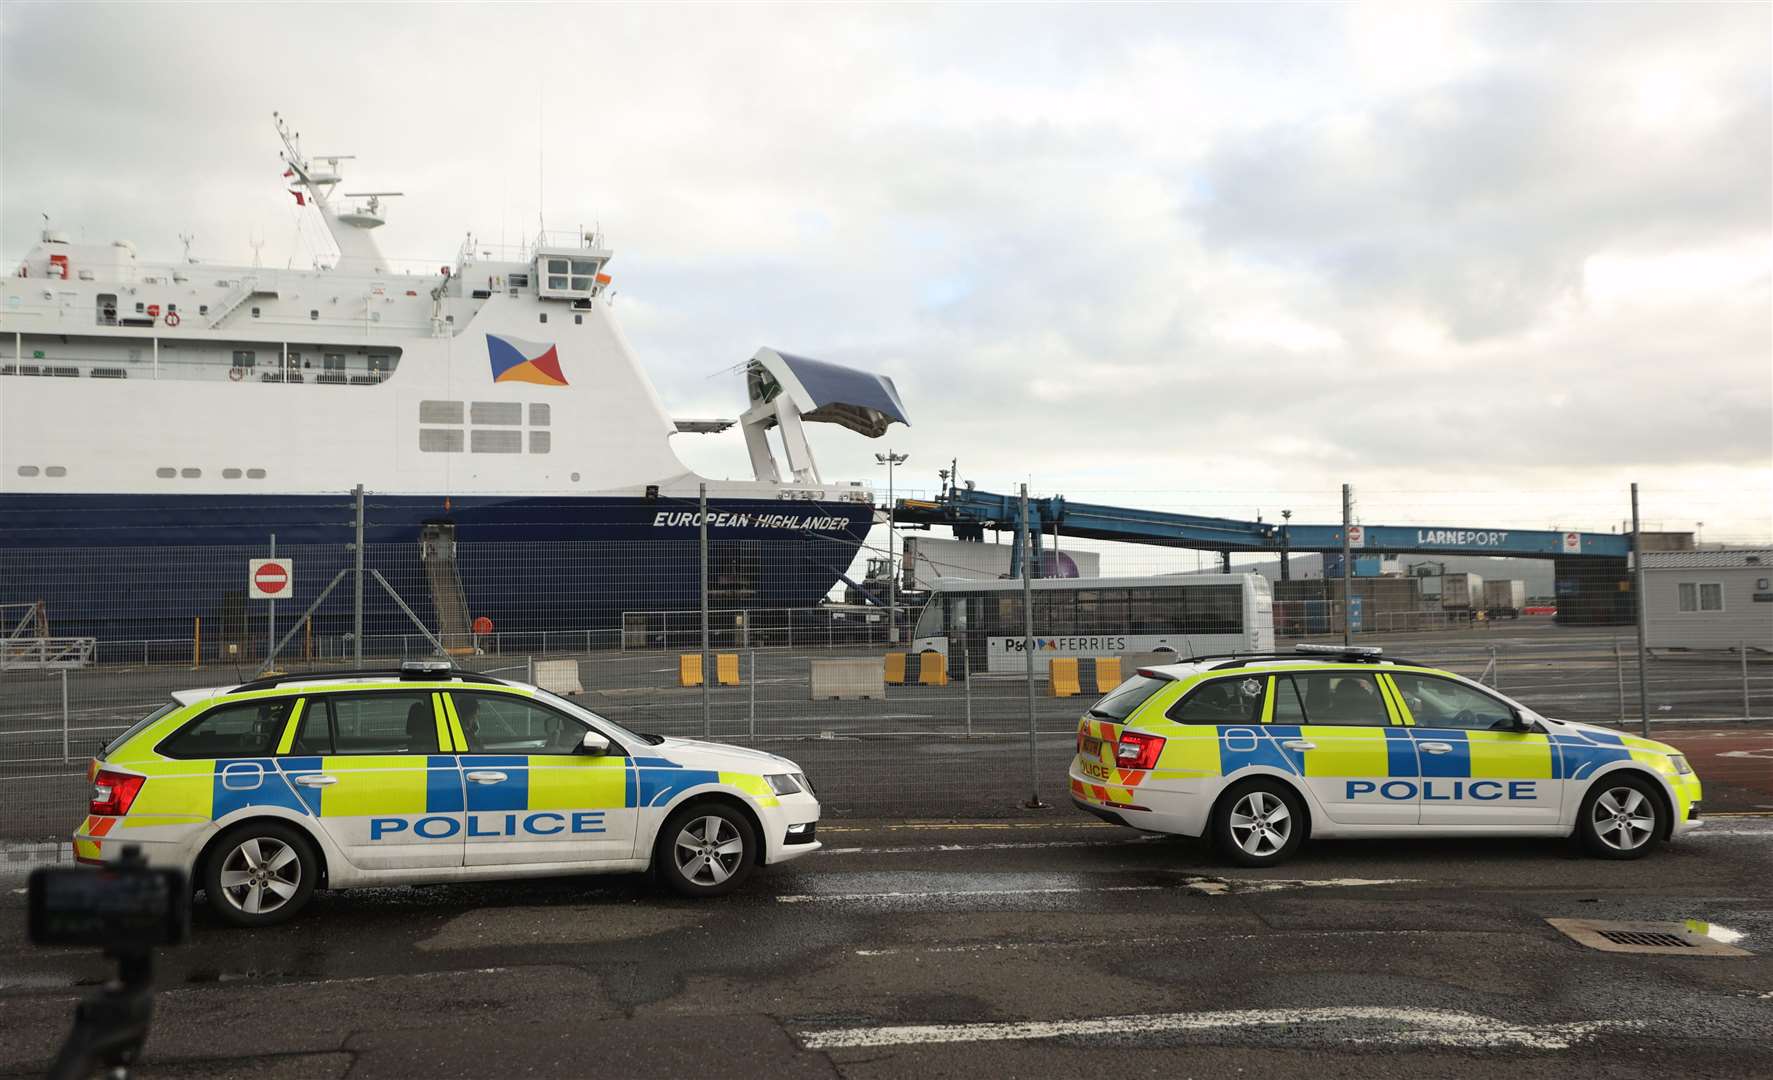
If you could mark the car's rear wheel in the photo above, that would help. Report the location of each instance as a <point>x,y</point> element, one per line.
<point>1259,823</point>
<point>706,849</point>
<point>260,874</point>
<point>1621,818</point>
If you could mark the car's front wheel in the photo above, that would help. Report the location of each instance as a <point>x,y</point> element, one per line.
<point>1621,818</point>
<point>260,873</point>
<point>706,849</point>
<point>1259,823</point>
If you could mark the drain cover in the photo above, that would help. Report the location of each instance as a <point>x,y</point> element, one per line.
<point>1690,938</point>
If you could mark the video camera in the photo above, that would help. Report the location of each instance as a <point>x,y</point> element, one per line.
<point>127,909</point>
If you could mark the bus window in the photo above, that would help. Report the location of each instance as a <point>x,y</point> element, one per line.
<point>929,624</point>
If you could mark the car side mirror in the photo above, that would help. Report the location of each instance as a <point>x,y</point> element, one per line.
<point>594,744</point>
<point>1521,723</point>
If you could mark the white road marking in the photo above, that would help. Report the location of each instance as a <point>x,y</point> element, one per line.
<point>809,898</point>
<point>1116,942</point>
<point>1220,886</point>
<point>1421,1027</point>
<point>1001,846</point>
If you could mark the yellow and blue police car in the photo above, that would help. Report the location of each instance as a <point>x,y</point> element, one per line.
<point>1260,752</point>
<point>265,791</point>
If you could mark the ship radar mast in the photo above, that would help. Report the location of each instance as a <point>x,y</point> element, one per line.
<point>315,179</point>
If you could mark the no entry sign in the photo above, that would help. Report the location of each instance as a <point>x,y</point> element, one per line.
<point>270,579</point>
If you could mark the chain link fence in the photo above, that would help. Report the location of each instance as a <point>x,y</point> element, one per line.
<point>614,620</point>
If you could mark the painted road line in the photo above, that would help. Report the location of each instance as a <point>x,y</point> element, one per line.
<point>1007,845</point>
<point>1420,1027</point>
<point>1213,886</point>
<point>1172,939</point>
<point>811,898</point>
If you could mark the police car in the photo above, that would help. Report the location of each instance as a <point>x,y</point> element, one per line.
<point>1260,752</point>
<point>264,792</point>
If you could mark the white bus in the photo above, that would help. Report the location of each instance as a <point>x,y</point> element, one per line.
<point>978,625</point>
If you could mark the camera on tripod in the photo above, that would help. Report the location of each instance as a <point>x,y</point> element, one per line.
<point>127,909</point>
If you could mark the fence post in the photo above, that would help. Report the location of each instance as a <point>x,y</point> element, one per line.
<point>1637,590</point>
<point>702,587</point>
<point>1027,554</point>
<point>357,586</point>
<point>1495,670</point>
<point>1742,648</point>
<point>64,716</point>
<point>966,666</point>
<point>1619,672</point>
<point>1347,574</point>
<point>529,664</point>
<point>751,705</point>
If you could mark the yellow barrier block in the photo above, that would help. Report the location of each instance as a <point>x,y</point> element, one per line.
<point>726,669</point>
<point>932,668</point>
<point>1107,673</point>
<point>689,669</point>
<point>895,669</point>
<point>1062,676</point>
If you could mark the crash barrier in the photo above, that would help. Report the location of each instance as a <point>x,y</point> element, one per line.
<point>932,668</point>
<point>1107,673</point>
<point>848,680</point>
<point>895,668</point>
<point>1062,676</point>
<point>558,676</point>
<point>726,669</point>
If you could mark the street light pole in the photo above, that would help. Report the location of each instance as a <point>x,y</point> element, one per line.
<point>890,459</point>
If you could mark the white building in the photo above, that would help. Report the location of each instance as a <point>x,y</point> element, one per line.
<point>1709,599</point>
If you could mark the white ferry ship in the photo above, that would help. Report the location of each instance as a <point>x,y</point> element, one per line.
<point>159,422</point>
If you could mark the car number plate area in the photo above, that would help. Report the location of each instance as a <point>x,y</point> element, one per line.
<point>1092,747</point>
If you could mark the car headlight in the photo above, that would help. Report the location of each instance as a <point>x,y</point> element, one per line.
<point>782,784</point>
<point>1679,761</point>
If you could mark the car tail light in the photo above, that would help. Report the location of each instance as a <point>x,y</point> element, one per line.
<point>1138,752</point>
<point>113,792</point>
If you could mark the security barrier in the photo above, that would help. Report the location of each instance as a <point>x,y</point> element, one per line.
<point>1107,673</point>
<point>558,676</point>
<point>932,669</point>
<point>1062,676</point>
<point>847,680</point>
<point>726,669</point>
<point>895,669</point>
<point>689,669</point>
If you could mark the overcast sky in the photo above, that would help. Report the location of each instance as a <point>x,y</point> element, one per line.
<point>1486,263</point>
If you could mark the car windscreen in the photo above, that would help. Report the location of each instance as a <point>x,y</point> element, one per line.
<point>1123,699</point>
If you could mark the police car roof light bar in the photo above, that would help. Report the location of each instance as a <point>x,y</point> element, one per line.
<point>1341,650</point>
<point>269,681</point>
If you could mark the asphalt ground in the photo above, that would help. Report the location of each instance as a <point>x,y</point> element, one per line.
<point>979,949</point>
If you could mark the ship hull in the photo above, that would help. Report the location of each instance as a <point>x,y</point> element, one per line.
<point>135,567</point>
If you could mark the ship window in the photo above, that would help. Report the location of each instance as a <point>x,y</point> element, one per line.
<point>244,358</point>
<point>313,314</point>
<point>203,309</point>
<point>557,282</point>
<point>255,313</point>
<point>578,320</point>
<point>333,361</point>
<point>540,442</point>
<point>56,470</point>
<point>440,412</point>
<point>27,470</point>
<point>575,478</point>
<point>380,362</point>
<point>255,474</point>
<point>518,281</point>
<point>440,440</point>
<point>191,474</point>
<point>539,414</point>
<point>557,266</point>
<point>107,309</point>
<point>495,441</point>
<point>544,317</point>
<point>230,474</point>
<point>140,307</point>
<point>496,412</point>
<point>581,266</point>
<point>166,473</point>
<point>581,284</point>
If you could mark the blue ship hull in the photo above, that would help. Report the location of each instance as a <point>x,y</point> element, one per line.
<point>130,567</point>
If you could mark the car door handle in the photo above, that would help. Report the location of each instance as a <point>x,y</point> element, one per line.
<point>316,780</point>
<point>1435,747</point>
<point>486,777</point>
<point>1299,744</point>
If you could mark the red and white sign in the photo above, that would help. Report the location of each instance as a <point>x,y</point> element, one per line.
<point>1357,536</point>
<point>1572,543</point>
<point>270,579</point>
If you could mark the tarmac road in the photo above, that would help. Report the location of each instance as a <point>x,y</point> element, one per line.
<point>1008,948</point>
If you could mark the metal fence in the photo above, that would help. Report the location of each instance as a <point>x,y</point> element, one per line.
<point>622,613</point>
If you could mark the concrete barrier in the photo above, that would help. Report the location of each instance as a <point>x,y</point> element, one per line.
<point>848,680</point>
<point>726,669</point>
<point>689,669</point>
<point>932,668</point>
<point>1062,676</point>
<point>1107,673</point>
<point>559,676</point>
<point>895,668</point>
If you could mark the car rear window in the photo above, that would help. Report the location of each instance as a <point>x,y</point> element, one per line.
<point>137,728</point>
<point>1123,699</point>
<point>244,729</point>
